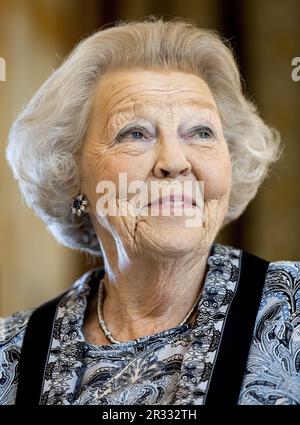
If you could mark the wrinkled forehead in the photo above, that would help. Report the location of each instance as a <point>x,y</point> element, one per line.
<point>134,91</point>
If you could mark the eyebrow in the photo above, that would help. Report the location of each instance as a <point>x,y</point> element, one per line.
<point>203,104</point>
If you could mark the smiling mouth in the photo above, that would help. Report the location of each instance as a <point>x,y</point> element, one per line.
<point>172,205</point>
<point>173,201</point>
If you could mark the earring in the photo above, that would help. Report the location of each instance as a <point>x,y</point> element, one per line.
<point>79,204</point>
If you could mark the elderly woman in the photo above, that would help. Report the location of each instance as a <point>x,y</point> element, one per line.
<point>172,317</point>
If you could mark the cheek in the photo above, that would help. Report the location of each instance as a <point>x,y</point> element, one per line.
<point>134,168</point>
<point>93,169</point>
<point>105,165</point>
<point>216,174</point>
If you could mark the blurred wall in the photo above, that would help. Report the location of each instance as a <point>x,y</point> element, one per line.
<point>35,35</point>
<point>272,40</point>
<point>268,37</point>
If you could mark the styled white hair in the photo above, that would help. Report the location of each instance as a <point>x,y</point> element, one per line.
<point>46,138</point>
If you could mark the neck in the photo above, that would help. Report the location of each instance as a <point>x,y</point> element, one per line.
<point>151,294</point>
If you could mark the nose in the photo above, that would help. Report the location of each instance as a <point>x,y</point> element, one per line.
<point>171,161</point>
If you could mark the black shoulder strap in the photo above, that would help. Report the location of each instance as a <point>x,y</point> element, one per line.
<point>229,368</point>
<point>34,353</point>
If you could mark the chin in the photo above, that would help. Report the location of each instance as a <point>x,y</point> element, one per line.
<point>167,240</point>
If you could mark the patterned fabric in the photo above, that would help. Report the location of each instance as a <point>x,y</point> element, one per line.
<point>273,369</point>
<point>173,366</point>
<point>12,332</point>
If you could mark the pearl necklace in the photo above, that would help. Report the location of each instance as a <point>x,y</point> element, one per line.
<point>103,325</point>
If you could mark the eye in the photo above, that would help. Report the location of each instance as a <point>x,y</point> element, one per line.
<point>134,133</point>
<point>138,133</point>
<point>203,132</point>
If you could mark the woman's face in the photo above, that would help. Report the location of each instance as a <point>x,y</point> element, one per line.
<point>157,127</point>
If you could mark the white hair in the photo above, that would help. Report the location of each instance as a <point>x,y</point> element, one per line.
<point>46,138</point>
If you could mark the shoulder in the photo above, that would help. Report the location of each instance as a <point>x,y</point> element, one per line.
<point>281,268</point>
<point>14,325</point>
<point>273,367</point>
<point>281,291</point>
<point>12,330</point>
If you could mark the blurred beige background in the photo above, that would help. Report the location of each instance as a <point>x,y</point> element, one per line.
<point>35,35</point>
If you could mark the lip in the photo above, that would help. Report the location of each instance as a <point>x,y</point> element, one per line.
<point>173,198</point>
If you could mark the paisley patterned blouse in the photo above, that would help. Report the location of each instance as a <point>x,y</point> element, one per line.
<point>174,366</point>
